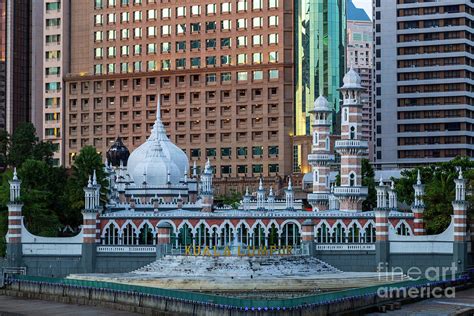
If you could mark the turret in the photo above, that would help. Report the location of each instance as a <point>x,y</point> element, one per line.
<point>418,207</point>
<point>320,156</point>
<point>290,196</point>
<point>91,210</point>
<point>460,253</point>
<point>206,188</point>
<point>392,197</point>
<point>381,195</point>
<point>260,196</point>
<point>351,147</point>
<point>246,200</point>
<point>15,216</point>
<point>271,200</point>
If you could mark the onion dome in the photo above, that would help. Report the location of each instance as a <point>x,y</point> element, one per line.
<point>321,104</point>
<point>118,152</point>
<point>174,159</point>
<point>155,169</point>
<point>352,80</point>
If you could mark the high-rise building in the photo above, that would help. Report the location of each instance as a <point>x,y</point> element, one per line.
<point>50,60</point>
<point>223,71</point>
<point>15,63</point>
<point>359,56</point>
<point>320,40</point>
<point>423,86</point>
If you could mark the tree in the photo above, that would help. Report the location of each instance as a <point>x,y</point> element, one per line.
<point>233,199</point>
<point>368,181</point>
<point>23,142</point>
<point>25,145</point>
<point>86,162</point>
<point>4,146</point>
<point>439,190</point>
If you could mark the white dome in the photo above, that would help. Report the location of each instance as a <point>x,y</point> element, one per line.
<point>153,169</point>
<point>321,105</point>
<point>171,156</point>
<point>352,80</point>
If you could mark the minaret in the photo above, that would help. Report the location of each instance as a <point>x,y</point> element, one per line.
<point>352,148</point>
<point>271,200</point>
<point>418,207</point>
<point>460,205</point>
<point>382,248</point>
<point>260,196</point>
<point>246,200</point>
<point>290,197</point>
<point>15,218</point>
<point>320,156</point>
<point>89,224</point>
<point>206,188</point>
<point>392,197</point>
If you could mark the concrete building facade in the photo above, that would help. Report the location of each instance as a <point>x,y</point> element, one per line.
<point>221,70</point>
<point>423,81</point>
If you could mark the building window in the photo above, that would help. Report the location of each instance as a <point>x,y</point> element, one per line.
<point>257,151</point>
<point>257,168</point>
<point>273,168</point>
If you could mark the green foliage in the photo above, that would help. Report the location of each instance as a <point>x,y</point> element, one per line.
<point>4,196</point>
<point>439,190</point>
<point>233,199</point>
<point>4,145</point>
<point>368,181</point>
<point>24,145</point>
<point>86,162</point>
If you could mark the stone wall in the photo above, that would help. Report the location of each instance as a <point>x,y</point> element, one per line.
<point>121,262</point>
<point>52,266</point>
<point>349,261</point>
<point>421,261</point>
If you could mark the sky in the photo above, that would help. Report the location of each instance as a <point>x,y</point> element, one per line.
<point>364,4</point>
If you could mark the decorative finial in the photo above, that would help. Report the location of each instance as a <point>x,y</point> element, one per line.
<point>121,164</point>
<point>94,178</point>
<point>247,191</point>
<point>260,185</point>
<point>15,175</point>
<point>393,185</point>
<point>381,181</point>
<point>290,185</point>
<point>158,109</point>
<point>460,176</point>
<point>194,169</point>
<point>418,178</point>
<point>271,190</point>
<point>168,177</point>
<point>185,175</point>
<point>89,183</point>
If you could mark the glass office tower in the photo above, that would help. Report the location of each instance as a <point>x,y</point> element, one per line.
<point>320,41</point>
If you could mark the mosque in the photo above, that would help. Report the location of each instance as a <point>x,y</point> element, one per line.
<point>156,206</point>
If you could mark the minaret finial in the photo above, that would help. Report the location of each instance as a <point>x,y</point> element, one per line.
<point>15,175</point>
<point>158,108</point>
<point>418,178</point>
<point>94,178</point>
<point>169,177</point>
<point>381,181</point>
<point>194,169</point>
<point>393,185</point>
<point>260,184</point>
<point>89,183</point>
<point>460,176</point>
<point>247,191</point>
<point>290,185</point>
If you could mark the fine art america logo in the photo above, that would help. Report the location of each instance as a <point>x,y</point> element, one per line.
<point>434,277</point>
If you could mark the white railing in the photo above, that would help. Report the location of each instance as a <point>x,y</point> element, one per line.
<point>319,157</point>
<point>351,190</point>
<point>122,249</point>
<point>354,143</point>
<point>318,196</point>
<point>346,247</point>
